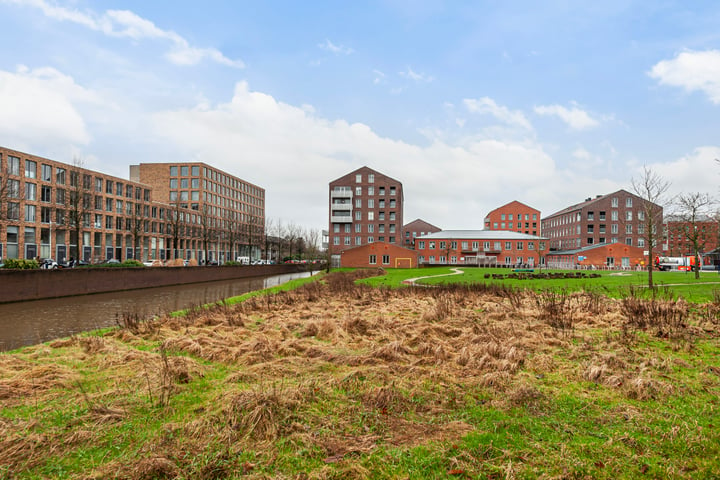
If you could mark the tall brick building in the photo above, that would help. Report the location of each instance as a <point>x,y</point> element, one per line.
<point>516,217</point>
<point>618,217</point>
<point>230,209</point>
<point>118,218</point>
<point>677,242</point>
<point>365,206</point>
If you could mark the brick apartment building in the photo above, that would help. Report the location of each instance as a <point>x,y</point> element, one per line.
<point>617,217</point>
<point>676,242</point>
<point>365,206</point>
<point>516,217</point>
<point>481,247</point>
<point>231,211</point>
<point>119,218</point>
<point>417,228</point>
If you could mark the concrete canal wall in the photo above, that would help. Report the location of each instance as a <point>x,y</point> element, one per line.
<point>23,285</point>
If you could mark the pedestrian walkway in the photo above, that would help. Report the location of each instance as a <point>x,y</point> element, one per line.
<point>411,281</point>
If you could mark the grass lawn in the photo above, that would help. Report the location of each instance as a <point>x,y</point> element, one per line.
<point>613,284</point>
<point>340,380</point>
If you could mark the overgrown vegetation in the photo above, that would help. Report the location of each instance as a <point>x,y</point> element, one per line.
<point>21,263</point>
<point>342,380</point>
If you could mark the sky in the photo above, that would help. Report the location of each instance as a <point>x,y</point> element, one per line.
<point>470,104</point>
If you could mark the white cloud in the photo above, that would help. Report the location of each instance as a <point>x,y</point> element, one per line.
<point>574,117</point>
<point>695,172</point>
<point>416,77</point>
<point>691,70</point>
<point>502,113</point>
<point>42,104</point>
<point>379,77</point>
<point>336,49</point>
<point>124,23</point>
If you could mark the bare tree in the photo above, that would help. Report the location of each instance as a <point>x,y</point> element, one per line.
<point>692,211</point>
<point>78,204</point>
<point>208,233</point>
<point>652,188</point>
<point>176,227</point>
<point>135,224</point>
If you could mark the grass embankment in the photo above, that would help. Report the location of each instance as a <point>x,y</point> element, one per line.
<point>337,380</point>
<point>611,283</point>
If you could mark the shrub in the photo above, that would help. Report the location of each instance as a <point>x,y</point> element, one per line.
<point>132,263</point>
<point>21,264</point>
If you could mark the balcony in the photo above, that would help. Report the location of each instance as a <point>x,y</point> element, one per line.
<point>341,194</point>
<point>341,219</point>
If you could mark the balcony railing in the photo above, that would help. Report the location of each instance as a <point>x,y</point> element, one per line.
<point>341,219</point>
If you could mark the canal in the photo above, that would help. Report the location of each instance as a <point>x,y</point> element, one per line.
<point>30,323</point>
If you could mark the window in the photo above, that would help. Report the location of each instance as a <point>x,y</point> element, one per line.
<point>347,228</point>
<point>195,171</point>
<point>519,245</point>
<point>371,190</point>
<point>371,216</point>
<point>614,215</point>
<point>371,178</point>
<point>347,240</point>
<point>641,242</point>
<point>421,245</point>
<point>431,245</point>
<point>497,246</point>
<point>590,216</point>
<point>13,213</point>
<point>358,215</point>
<point>30,169</point>
<point>590,228</point>
<point>614,228</point>
<point>29,213</point>
<point>46,173</point>
<point>628,215</point>
<point>371,228</point>
<point>508,245</point>
<point>30,191</point>
<point>373,260</point>
<point>358,191</point>
<point>614,202</point>
<point>371,203</point>
<point>358,178</point>
<point>13,188</point>
<point>173,183</point>
<point>45,215</point>
<point>443,245</point>
<point>392,203</point>
<point>628,202</point>
<point>195,182</point>
<point>13,165</point>
<point>45,193</point>
<point>60,196</point>
<point>381,191</point>
<point>531,245</point>
<point>486,246</point>
<point>381,203</point>
<point>184,183</point>
<point>371,240</point>
<point>173,171</point>
<point>453,245</point>
<point>392,191</point>
<point>464,245</point>
<point>184,171</point>
<point>628,228</point>
<point>336,240</point>
<point>358,240</point>
<point>628,241</point>
<point>386,259</point>
<point>358,203</point>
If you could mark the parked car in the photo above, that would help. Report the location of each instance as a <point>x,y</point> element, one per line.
<point>49,264</point>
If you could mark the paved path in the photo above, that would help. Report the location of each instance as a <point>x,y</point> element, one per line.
<point>411,281</point>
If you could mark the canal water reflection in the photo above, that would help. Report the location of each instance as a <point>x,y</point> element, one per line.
<point>30,323</point>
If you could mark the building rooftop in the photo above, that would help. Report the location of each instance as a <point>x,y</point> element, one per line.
<point>479,235</point>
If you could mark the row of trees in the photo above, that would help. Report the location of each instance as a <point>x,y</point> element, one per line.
<point>690,212</point>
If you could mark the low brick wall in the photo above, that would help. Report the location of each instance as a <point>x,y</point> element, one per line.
<point>23,285</point>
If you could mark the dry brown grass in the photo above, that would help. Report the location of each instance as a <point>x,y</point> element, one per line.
<point>335,366</point>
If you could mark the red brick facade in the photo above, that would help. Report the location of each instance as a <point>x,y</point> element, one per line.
<point>378,254</point>
<point>417,228</point>
<point>480,247</point>
<point>516,217</point>
<point>607,256</point>
<point>619,217</point>
<point>365,206</point>
<point>677,243</point>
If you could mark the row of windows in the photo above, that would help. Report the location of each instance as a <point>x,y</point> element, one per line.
<point>370,191</point>
<point>61,177</point>
<point>454,259</point>
<point>510,225</point>
<point>590,215</point>
<point>475,245</point>
<point>359,240</point>
<point>370,178</point>
<point>359,228</point>
<point>215,176</point>
<point>519,216</point>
